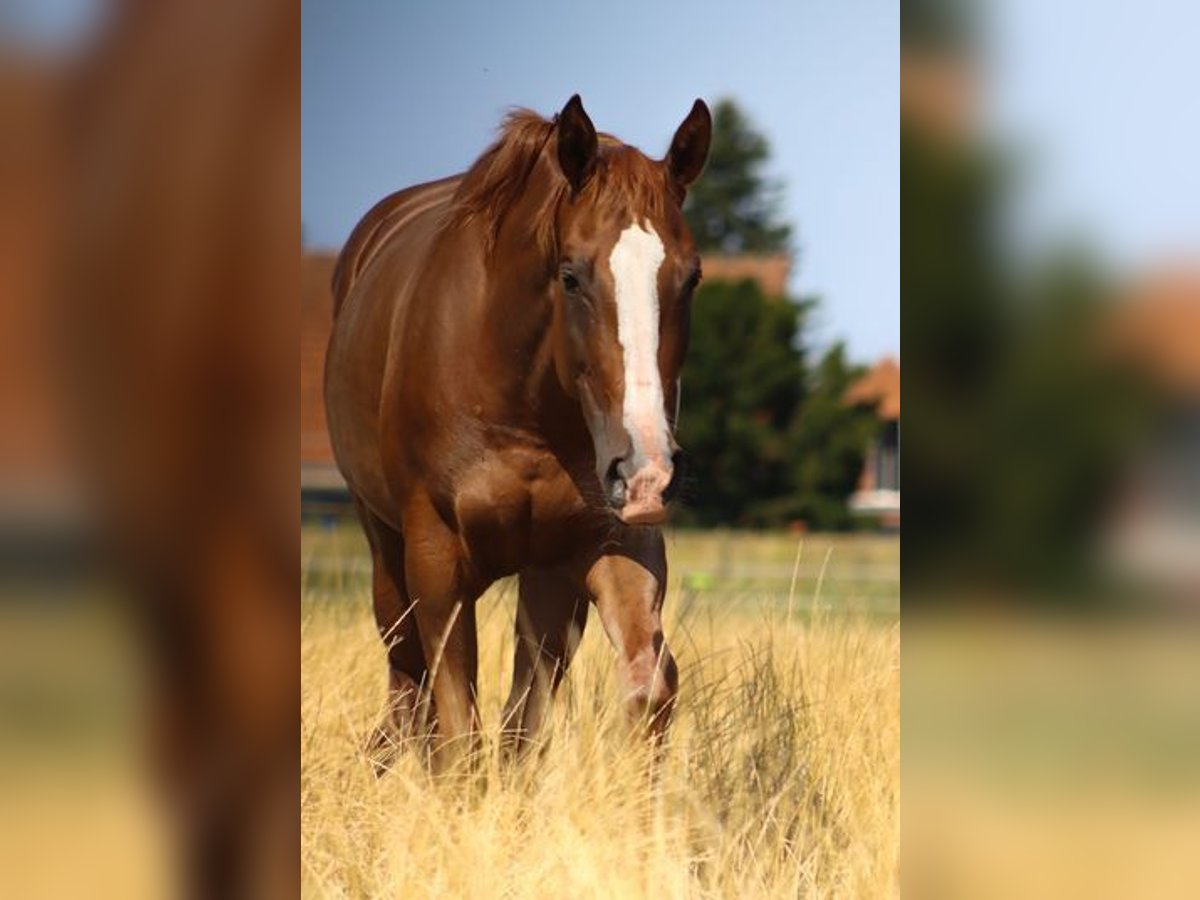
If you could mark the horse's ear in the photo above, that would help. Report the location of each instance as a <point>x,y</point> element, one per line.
<point>689,147</point>
<point>576,143</point>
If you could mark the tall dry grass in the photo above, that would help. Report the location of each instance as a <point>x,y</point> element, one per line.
<point>781,778</point>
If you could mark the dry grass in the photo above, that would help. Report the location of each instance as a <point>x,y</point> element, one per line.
<point>781,777</point>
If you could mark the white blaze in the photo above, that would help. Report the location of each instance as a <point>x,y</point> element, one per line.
<point>635,261</point>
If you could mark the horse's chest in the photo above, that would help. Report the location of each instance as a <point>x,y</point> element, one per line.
<point>514,513</point>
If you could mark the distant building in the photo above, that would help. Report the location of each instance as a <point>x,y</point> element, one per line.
<point>1154,531</point>
<point>878,491</point>
<point>321,484</point>
<point>1157,330</point>
<point>40,490</point>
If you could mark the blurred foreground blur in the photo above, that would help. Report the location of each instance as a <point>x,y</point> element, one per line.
<point>1050,759</point>
<point>1059,388</point>
<point>148,237</point>
<point>1052,452</point>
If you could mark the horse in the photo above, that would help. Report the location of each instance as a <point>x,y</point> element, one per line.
<point>502,385</point>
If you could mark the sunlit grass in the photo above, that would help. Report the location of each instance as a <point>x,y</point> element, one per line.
<point>781,777</point>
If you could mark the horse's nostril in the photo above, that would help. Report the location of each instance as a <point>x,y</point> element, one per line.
<point>614,470</point>
<point>614,484</point>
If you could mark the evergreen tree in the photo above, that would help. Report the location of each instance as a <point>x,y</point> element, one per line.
<point>742,385</point>
<point>828,443</point>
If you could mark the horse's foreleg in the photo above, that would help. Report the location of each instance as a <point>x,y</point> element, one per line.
<point>551,615</point>
<point>444,607</point>
<point>628,586</point>
<point>447,627</point>
<point>410,714</point>
<point>397,626</point>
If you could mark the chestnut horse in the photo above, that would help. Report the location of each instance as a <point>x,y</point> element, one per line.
<point>501,384</point>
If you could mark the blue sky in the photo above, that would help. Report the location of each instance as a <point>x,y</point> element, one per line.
<point>1098,99</point>
<point>398,93</point>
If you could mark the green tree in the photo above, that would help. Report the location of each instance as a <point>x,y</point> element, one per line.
<point>734,208</point>
<point>828,443</point>
<point>742,386</point>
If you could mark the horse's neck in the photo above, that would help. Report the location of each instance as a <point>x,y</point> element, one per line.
<point>521,359</point>
<point>518,319</point>
<point>516,332</point>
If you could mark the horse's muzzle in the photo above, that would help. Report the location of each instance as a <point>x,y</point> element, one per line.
<point>642,497</point>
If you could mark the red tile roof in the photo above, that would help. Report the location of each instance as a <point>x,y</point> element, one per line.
<point>1157,328</point>
<point>771,272</point>
<point>880,385</point>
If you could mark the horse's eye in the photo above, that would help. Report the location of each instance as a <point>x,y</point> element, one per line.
<point>570,283</point>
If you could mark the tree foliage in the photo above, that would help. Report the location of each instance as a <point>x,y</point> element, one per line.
<point>771,442</point>
<point>742,386</point>
<point>828,444</point>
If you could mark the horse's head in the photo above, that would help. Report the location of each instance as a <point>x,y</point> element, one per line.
<point>626,269</point>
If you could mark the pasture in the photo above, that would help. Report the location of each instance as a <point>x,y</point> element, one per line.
<point>781,777</point>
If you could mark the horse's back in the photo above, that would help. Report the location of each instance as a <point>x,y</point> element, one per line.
<point>383,222</point>
<point>373,275</point>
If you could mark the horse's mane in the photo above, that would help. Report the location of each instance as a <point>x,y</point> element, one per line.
<point>623,177</point>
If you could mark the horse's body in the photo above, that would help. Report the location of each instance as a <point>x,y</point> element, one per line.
<point>495,412</point>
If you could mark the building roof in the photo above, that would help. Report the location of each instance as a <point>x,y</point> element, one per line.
<point>1157,328</point>
<point>771,272</point>
<point>939,93</point>
<point>35,446</point>
<point>881,385</point>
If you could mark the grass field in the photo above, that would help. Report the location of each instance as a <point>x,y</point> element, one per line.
<point>781,777</point>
